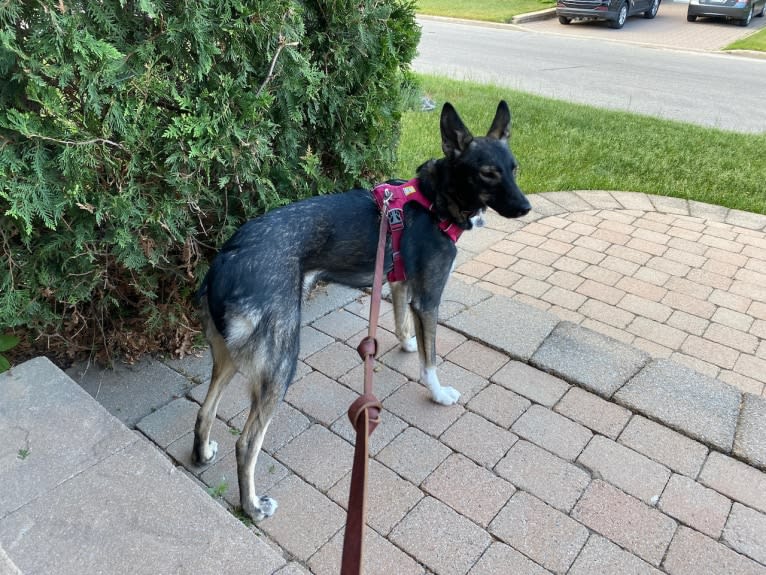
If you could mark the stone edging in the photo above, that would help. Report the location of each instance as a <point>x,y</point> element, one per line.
<point>555,203</point>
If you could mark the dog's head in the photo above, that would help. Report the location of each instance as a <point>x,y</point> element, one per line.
<point>483,169</point>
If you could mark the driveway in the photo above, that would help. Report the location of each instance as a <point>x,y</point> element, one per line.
<point>668,30</point>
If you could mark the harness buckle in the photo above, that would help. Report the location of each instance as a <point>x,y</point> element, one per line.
<point>387,197</point>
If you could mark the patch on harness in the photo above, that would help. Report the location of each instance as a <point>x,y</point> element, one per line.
<point>395,219</point>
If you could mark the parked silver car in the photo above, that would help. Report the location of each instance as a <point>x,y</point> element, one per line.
<point>741,11</point>
<point>614,12</point>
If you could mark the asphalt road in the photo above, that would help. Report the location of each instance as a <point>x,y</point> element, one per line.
<point>712,89</point>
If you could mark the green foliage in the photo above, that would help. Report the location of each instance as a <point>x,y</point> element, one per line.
<point>7,342</point>
<point>136,135</point>
<point>219,490</point>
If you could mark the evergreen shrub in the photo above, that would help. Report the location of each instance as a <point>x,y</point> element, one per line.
<point>136,135</point>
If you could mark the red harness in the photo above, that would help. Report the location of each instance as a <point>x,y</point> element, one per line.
<point>397,196</point>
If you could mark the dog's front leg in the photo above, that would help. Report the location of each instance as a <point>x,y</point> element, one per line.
<point>404,327</point>
<point>425,329</point>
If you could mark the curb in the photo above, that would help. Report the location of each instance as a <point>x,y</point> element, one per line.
<point>746,53</point>
<point>546,14</point>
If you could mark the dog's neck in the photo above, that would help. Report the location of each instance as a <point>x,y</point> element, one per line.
<point>440,189</point>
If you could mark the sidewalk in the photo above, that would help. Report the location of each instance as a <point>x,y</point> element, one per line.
<point>610,351</point>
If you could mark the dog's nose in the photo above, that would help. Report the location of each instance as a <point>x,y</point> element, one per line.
<point>523,210</point>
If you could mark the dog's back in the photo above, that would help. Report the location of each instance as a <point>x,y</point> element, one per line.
<point>251,296</point>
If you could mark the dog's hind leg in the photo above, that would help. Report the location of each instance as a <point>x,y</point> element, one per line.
<point>404,327</point>
<point>248,447</point>
<point>425,328</point>
<point>269,367</point>
<point>267,391</point>
<point>204,450</point>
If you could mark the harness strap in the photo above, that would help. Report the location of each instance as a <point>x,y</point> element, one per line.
<point>399,195</point>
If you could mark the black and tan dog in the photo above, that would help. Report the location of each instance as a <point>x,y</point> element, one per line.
<point>250,299</point>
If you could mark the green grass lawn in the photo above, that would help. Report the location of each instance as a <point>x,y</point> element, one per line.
<point>755,41</point>
<point>488,10</point>
<point>562,146</point>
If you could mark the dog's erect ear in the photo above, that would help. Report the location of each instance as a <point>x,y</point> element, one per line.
<point>501,125</point>
<point>455,136</point>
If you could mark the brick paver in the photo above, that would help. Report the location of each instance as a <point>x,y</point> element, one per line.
<point>479,439</point>
<point>692,553</point>
<point>594,412</point>
<point>626,521</point>
<point>469,489</point>
<point>746,532</point>
<point>541,532</point>
<point>695,505</point>
<point>554,480</point>
<point>501,558</point>
<point>602,557</point>
<point>553,432</point>
<point>442,539</point>
<point>676,451</point>
<point>626,469</point>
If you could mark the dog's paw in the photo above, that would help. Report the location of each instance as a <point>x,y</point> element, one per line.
<point>446,395</point>
<point>205,454</point>
<point>410,344</point>
<point>264,507</point>
<point>478,220</point>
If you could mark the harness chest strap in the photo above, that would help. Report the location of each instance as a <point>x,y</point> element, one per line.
<point>397,197</point>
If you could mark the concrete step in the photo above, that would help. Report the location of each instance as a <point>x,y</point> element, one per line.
<point>82,493</point>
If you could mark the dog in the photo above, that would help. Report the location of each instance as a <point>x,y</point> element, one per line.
<point>250,299</point>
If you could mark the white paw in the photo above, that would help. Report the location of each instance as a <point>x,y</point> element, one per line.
<point>263,508</point>
<point>210,451</point>
<point>439,393</point>
<point>410,344</point>
<point>478,220</point>
<point>445,395</point>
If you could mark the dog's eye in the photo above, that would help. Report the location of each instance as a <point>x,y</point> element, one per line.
<point>489,174</point>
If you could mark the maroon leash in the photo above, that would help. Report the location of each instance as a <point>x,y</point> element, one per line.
<point>364,414</point>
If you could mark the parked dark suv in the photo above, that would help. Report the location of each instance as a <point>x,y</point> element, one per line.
<point>615,12</point>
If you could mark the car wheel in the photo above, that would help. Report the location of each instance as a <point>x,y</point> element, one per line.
<point>564,20</point>
<point>652,12</point>
<point>622,15</point>
<point>747,19</point>
<point>763,11</point>
<point>691,17</point>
